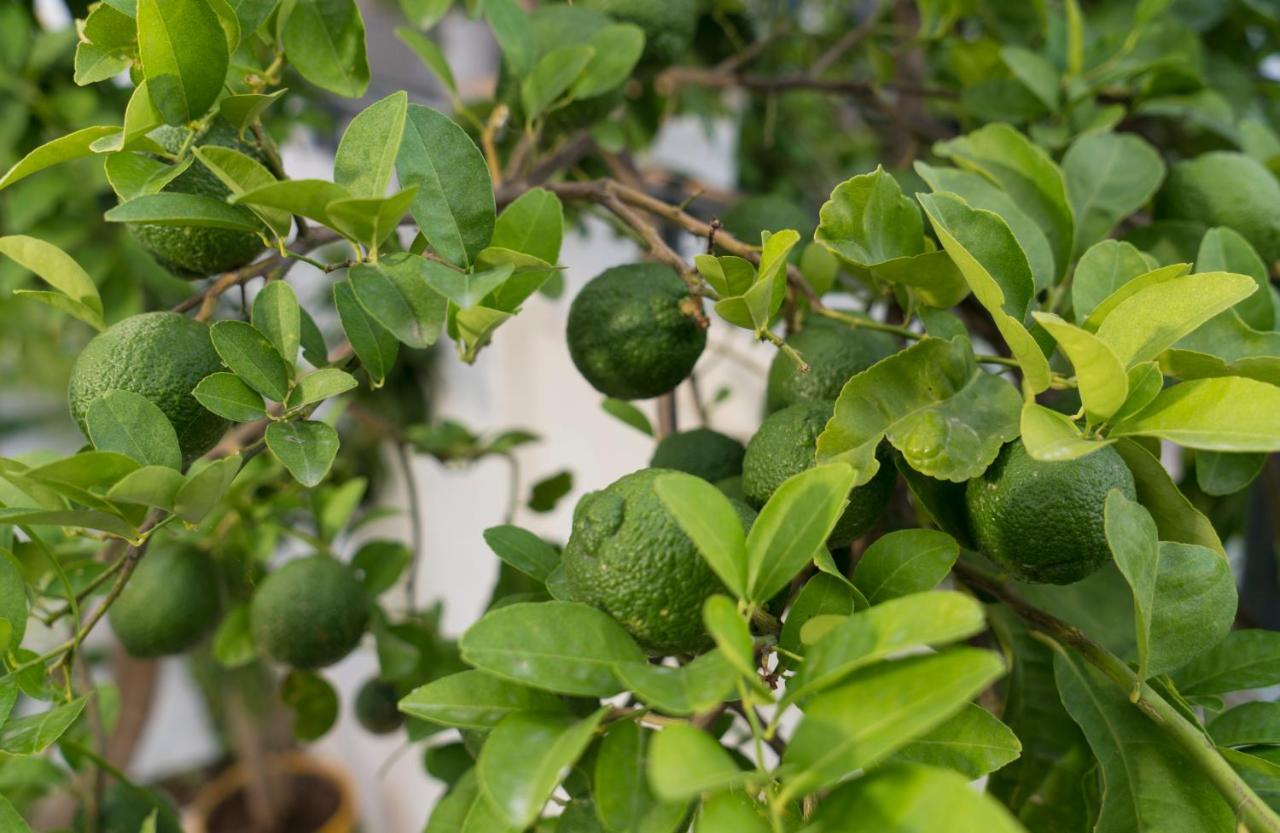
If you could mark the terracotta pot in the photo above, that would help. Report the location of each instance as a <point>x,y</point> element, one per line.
<point>323,799</point>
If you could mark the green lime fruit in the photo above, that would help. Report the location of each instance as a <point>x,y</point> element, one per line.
<point>309,613</point>
<point>161,356</point>
<point>701,452</point>
<point>629,557</point>
<point>835,354</point>
<point>630,333</point>
<point>199,251</point>
<point>376,707</point>
<point>668,25</point>
<point>1043,521</point>
<point>786,444</point>
<point>1224,188</point>
<point>747,218</point>
<point>170,602</point>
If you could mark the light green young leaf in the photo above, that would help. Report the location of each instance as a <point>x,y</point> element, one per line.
<point>617,51</point>
<point>56,268</point>
<point>204,488</point>
<point>396,294</point>
<point>454,205</point>
<point>1109,176</point>
<point>1051,436</point>
<point>1130,288</point>
<point>523,550</point>
<point>241,174</point>
<point>154,486</point>
<point>624,802</point>
<point>251,356</point>
<point>475,328</point>
<point>366,156</point>
<point>1035,72</point>
<point>34,733</point>
<point>821,595</point>
<point>173,209</point>
<point>685,761</point>
<point>324,41</point>
<point>128,423</point>
<point>308,197</point>
<point>552,76</point>
<point>1102,380</point>
<point>431,55</point>
<point>559,646</point>
<point>185,56</point>
<point>94,64</point>
<point>932,277</point>
<point>732,635</point>
<point>277,316</point>
<point>1223,414</point>
<point>989,257</point>
<point>933,403</point>
<point>227,395</point>
<point>868,221</point>
<point>628,414</point>
<point>476,700</point>
<point>532,224</point>
<point>14,610</point>
<point>370,221</point>
<point>319,385</point>
<point>711,522</point>
<point>306,448</point>
<point>793,525</point>
<point>62,303</point>
<point>514,33</point>
<point>1226,250</point>
<point>903,562</point>
<point>466,289</point>
<point>373,344</point>
<point>879,710</point>
<point>692,688</point>
<point>912,797</point>
<point>10,820</point>
<point>1102,269</point>
<point>243,109</point>
<point>74,145</point>
<point>973,743</point>
<point>525,758</point>
<point>1152,319</point>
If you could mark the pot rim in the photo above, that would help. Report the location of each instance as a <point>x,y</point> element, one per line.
<point>233,779</point>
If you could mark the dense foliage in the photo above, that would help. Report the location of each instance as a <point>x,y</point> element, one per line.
<point>1013,262</point>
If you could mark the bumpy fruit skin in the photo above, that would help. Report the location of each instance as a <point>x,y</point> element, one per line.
<point>786,444</point>
<point>309,613</point>
<point>701,452</point>
<point>1042,521</point>
<point>193,251</point>
<point>169,604</point>
<point>376,707</point>
<point>1225,188</point>
<point>628,556</point>
<point>158,355</point>
<point>668,25</point>
<point>628,335</point>
<point>835,354</point>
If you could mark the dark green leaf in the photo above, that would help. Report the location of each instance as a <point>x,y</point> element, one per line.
<point>226,395</point>
<point>173,209</point>
<point>324,41</point>
<point>374,345</point>
<point>155,486</point>
<point>1109,176</point>
<point>252,357</point>
<point>204,488</point>
<point>546,493</point>
<point>395,293</point>
<point>523,550</point>
<point>973,743</point>
<point>185,56</point>
<point>476,700</point>
<point>313,702</point>
<point>130,424</point>
<point>624,802</point>
<point>306,448</point>
<point>624,411</point>
<point>319,385</point>
<point>904,562</point>
<point>366,155</point>
<point>1245,659</point>
<point>277,316</point>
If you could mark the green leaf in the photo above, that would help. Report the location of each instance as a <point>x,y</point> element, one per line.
<point>523,550</point>
<point>425,14</point>
<point>1140,327</point>
<point>154,486</point>
<point>241,174</point>
<point>475,329</point>
<point>904,562</point>
<point>306,448</point>
<point>731,812</point>
<point>878,711</point>
<point>1261,774</point>
<point>313,702</point>
<point>514,32</point>
<point>685,761</point>
<point>1035,72</point>
<point>83,519</point>
<point>912,797</point>
<point>552,76</point>
<point>1102,269</point>
<point>821,595</point>
<point>624,802</point>
<point>252,357</point>
<point>396,294</point>
<point>1223,473</point>
<point>129,173</point>
<point>793,525</point>
<point>185,55</point>
<point>624,411</point>
<point>205,488</point>
<point>934,618</point>
<point>1226,250</point>
<point>1225,414</point>
<point>34,733</point>
<point>1052,436</point>
<point>868,221</point>
<point>123,421</point>
<point>373,344</point>
<point>546,493</point>
<point>1253,723</point>
<point>1176,517</point>
<point>233,644</point>
<point>533,224</point>
<point>933,403</point>
<point>1195,605</point>
<point>1109,176</point>
<point>370,221</point>
<point>324,41</point>
<point>711,522</point>
<point>466,289</point>
<point>1027,174</point>
<point>973,743</point>
<point>731,634</point>
<point>243,109</point>
<point>475,700</point>
<point>74,145</point>
<point>309,197</point>
<point>58,269</point>
<point>378,564</point>
<point>617,51</point>
<point>931,277</point>
<point>1129,288</point>
<point>989,257</point>
<point>14,610</point>
<point>94,64</point>
<point>525,758</point>
<point>1243,660</point>
<point>431,55</point>
<point>319,385</point>
<point>559,646</point>
<point>692,688</point>
<point>1148,782</point>
<point>62,303</point>
<point>173,209</point>
<point>454,205</point>
<point>366,155</point>
<point>276,315</point>
<point>1101,378</point>
<point>88,469</point>
<point>10,820</point>
<point>1132,537</point>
